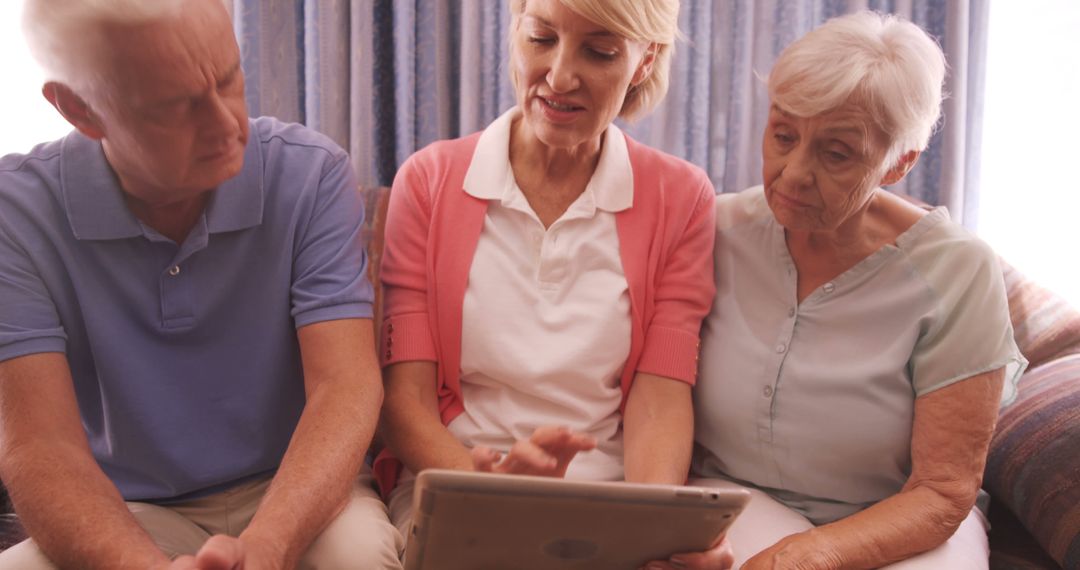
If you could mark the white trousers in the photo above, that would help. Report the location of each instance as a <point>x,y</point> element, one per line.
<point>766,521</point>
<point>360,537</point>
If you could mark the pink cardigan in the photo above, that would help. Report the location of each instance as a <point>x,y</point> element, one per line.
<point>432,227</point>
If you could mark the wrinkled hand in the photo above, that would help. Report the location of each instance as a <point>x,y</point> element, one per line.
<point>719,557</point>
<point>801,551</point>
<point>547,453</point>
<point>219,553</point>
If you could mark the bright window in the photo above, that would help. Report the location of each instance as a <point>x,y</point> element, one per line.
<point>26,116</point>
<point>1029,205</point>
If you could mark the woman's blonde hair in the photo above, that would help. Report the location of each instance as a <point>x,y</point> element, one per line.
<point>652,21</point>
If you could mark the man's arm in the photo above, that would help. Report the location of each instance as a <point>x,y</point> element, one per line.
<point>71,509</point>
<point>344,393</point>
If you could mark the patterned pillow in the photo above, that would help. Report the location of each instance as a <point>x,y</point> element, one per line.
<point>1045,325</point>
<point>1034,462</point>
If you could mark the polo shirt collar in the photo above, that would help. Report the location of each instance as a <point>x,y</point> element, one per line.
<point>92,196</point>
<point>490,176</point>
<point>237,203</point>
<point>95,203</point>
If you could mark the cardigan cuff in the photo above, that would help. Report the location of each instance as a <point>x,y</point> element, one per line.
<point>671,353</point>
<point>406,338</point>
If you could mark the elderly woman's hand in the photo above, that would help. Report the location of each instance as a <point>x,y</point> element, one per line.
<point>719,557</point>
<point>803,551</point>
<point>547,453</point>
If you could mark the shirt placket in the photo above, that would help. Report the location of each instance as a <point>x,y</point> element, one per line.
<point>176,279</point>
<point>769,392</point>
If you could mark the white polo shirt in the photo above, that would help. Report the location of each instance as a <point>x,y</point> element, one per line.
<point>546,315</point>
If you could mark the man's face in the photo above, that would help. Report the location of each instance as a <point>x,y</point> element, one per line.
<point>172,107</point>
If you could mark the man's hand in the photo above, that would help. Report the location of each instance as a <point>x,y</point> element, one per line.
<point>219,553</point>
<point>547,453</point>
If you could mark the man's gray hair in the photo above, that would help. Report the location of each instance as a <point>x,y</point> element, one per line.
<point>66,36</point>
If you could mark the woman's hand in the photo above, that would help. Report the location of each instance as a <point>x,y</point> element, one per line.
<point>719,557</point>
<point>547,453</point>
<point>801,551</point>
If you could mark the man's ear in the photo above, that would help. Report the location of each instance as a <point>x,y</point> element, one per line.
<point>901,168</point>
<point>645,67</point>
<point>73,108</point>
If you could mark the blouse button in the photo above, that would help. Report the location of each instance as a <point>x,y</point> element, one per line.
<point>767,391</point>
<point>780,348</point>
<point>829,287</point>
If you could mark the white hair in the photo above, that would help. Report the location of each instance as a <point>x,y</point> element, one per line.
<point>66,36</point>
<point>651,21</point>
<point>883,62</point>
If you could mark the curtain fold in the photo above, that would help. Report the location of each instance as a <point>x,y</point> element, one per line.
<point>384,78</point>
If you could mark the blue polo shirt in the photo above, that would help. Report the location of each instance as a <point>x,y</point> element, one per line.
<point>184,357</point>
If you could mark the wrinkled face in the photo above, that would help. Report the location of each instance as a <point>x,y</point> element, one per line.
<point>571,74</point>
<point>819,171</point>
<point>172,108</point>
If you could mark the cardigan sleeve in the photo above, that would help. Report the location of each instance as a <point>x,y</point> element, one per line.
<point>684,286</point>
<point>406,328</point>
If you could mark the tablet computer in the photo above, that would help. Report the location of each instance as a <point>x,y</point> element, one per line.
<point>481,521</point>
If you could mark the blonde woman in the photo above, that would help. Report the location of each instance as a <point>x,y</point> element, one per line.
<point>546,279</point>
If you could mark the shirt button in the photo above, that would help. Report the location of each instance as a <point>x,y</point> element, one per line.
<point>388,354</point>
<point>780,348</point>
<point>174,270</point>
<point>390,328</point>
<point>767,391</point>
<point>829,287</point>
<point>791,312</point>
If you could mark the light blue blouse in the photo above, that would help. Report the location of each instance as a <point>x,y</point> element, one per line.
<point>813,401</point>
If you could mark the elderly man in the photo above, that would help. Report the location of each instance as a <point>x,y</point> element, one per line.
<point>186,353</point>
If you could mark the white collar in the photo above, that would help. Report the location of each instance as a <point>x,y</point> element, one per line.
<point>490,176</point>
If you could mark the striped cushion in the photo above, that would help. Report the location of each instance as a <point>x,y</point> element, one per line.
<point>1045,325</point>
<point>1034,461</point>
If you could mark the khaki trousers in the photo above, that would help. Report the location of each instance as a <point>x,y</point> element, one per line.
<point>361,536</point>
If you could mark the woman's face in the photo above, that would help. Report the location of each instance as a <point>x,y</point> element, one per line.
<point>572,75</point>
<point>821,170</point>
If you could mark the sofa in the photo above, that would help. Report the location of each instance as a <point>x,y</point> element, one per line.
<point>1033,468</point>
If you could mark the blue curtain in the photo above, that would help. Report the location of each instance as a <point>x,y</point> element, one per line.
<point>385,77</point>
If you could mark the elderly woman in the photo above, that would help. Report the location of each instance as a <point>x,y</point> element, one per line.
<point>853,362</point>
<point>545,279</point>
